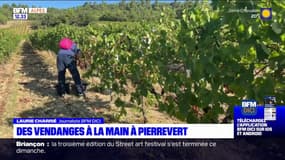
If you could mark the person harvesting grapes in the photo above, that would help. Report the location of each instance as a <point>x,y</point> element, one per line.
<point>66,59</point>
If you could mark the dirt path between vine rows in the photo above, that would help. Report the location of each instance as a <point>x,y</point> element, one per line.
<point>27,89</point>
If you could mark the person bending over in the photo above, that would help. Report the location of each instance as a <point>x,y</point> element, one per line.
<point>66,59</point>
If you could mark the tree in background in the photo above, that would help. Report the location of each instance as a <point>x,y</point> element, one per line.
<point>91,12</point>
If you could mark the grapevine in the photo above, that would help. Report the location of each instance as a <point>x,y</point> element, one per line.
<point>196,60</point>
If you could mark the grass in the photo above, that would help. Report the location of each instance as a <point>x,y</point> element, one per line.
<point>10,109</point>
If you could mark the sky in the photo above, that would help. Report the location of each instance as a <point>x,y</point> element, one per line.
<point>58,4</point>
<point>50,3</point>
